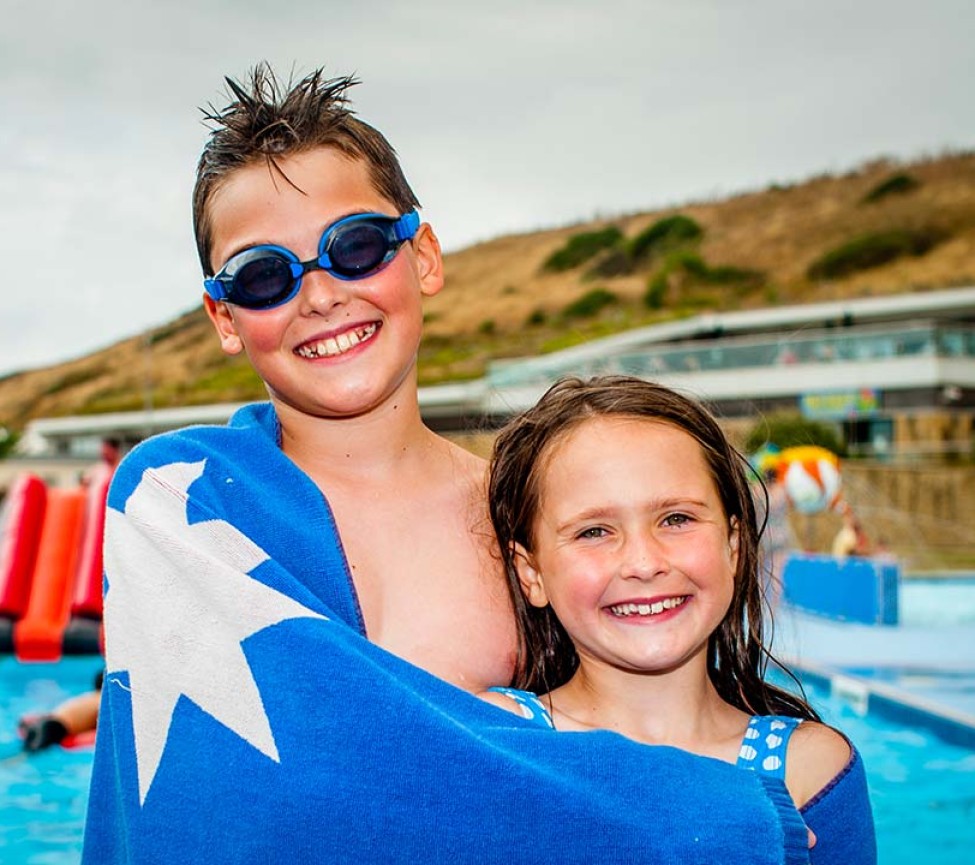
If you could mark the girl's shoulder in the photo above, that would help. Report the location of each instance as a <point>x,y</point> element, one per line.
<point>807,755</point>
<point>817,754</point>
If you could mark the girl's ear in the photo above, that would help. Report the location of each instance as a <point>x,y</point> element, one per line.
<point>532,585</point>
<point>733,538</point>
<point>223,321</point>
<point>429,260</point>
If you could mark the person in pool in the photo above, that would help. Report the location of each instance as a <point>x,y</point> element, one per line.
<point>629,536</point>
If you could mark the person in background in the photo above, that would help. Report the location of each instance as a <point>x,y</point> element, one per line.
<point>74,717</point>
<point>851,539</point>
<point>109,455</point>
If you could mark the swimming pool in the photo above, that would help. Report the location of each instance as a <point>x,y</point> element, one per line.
<point>922,788</point>
<point>43,795</point>
<point>937,600</point>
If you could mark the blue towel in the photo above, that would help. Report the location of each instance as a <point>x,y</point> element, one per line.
<point>246,718</point>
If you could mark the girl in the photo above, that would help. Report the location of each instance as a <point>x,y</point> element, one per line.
<point>631,544</point>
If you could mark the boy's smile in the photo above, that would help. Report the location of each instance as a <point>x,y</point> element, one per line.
<point>340,347</point>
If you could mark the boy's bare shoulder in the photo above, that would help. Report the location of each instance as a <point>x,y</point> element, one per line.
<point>817,754</point>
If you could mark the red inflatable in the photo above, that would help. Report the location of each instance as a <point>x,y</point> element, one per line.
<point>51,569</point>
<point>37,636</point>
<point>86,600</point>
<point>21,518</point>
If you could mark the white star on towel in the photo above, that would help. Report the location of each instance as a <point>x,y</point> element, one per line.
<point>179,603</point>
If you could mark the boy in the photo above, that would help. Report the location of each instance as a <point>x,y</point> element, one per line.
<point>280,590</point>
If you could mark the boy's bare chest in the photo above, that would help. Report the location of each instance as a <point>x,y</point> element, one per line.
<point>431,589</point>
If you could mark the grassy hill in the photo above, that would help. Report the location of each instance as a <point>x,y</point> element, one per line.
<point>882,229</point>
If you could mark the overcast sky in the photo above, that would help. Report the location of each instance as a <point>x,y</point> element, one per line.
<point>508,116</point>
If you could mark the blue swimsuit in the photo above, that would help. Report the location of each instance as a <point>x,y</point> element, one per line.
<point>839,814</point>
<point>763,746</point>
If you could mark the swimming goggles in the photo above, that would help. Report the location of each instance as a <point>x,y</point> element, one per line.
<point>263,277</point>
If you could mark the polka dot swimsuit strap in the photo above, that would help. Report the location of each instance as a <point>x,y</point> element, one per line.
<point>765,742</point>
<point>531,707</point>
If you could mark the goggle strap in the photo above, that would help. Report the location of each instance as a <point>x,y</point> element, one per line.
<point>406,226</point>
<point>214,287</point>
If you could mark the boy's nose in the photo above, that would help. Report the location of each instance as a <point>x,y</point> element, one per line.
<point>321,292</point>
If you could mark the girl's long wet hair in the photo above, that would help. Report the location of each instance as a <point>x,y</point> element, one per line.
<point>738,656</point>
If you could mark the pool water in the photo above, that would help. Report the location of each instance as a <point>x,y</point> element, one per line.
<point>934,601</point>
<point>922,789</point>
<point>44,796</point>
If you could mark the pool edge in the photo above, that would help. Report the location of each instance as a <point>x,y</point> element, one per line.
<point>895,704</point>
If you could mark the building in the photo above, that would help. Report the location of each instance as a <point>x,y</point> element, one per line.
<point>896,374</point>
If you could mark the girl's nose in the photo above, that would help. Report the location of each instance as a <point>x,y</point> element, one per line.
<point>321,292</point>
<point>644,557</point>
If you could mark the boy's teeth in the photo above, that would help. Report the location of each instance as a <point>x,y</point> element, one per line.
<point>337,345</point>
<point>647,609</point>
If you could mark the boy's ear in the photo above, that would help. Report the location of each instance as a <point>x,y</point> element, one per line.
<point>223,321</point>
<point>532,584</point>
<point>429,260</point>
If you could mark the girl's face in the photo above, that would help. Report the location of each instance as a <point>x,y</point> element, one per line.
<point>633,549</point>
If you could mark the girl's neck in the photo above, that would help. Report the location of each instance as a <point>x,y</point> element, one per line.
<point>680,708</point>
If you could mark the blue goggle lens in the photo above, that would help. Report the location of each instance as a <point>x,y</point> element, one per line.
<point>358,250</point>
<point>261,283</point>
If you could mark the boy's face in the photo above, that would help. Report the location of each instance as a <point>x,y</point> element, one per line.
<point>340,348</point>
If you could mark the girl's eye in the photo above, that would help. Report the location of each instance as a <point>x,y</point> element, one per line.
<point>677,520</point>
<point>593,532</point>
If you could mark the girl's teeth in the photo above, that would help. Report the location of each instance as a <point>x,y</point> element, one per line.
<point>653,609</point>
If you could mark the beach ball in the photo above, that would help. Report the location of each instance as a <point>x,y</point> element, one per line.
<point>811,476</point>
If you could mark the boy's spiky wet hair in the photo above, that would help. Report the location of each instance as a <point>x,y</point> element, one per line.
<point>267,120</point>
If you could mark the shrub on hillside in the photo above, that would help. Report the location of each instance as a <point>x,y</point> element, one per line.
<point>692,269</point>
<point>873,250</point>
<point>590,303</point>
<point>579,248</point>
<point>667,233</point>
<point>616,262</point>
<point>656,293</point>
<point>791,429</point>
<point>896,184</point>
<point>536,317</point>
<point>8,441</point>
